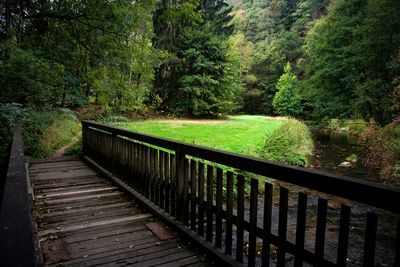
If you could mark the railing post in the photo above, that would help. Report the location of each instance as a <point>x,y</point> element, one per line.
<point>180,176</point>
<point>84,144</point>
<point>113,152</point>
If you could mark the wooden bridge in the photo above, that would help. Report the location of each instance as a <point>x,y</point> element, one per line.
<point>138,200</point>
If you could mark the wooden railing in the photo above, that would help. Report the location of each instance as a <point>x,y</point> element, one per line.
<point>194,187</point>
<point>18,244</point>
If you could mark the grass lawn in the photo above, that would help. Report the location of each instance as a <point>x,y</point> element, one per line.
<point>240,134</point>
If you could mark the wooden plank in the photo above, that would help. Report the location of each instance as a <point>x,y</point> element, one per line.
<point>282,227</point>
<point>97,251</point>
<point>193,184</point>
<point>343,235</point>
<point>62,175</point>
<point>55,159</point>
<point>267,220</point>
<point>229,210</point>
<point>78,192</point>
<point>69,188</point>
<point>147,251</point>
<point>240,218</point>
<point>90,256</point>
<point>110,243</point>
<point>218,215</point>
<point>89,217</point>
<point>215,252</point>
<point>253,222</point>
<point>160,257</point>
<point>320,231</point>
<point>95,223</point>
<point>200,217</point>
<point>210,197</point>
<point>127,229</point>
<point>85,210</point>
<point>300,228</point>
<point>370,239</point>
<point>183,262</point>
<point>75,199</point>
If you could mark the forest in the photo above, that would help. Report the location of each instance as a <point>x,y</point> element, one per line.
<point>313,60</point>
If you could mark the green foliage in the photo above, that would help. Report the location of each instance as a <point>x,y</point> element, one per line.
<point>44,132</point>
<point>348,55</point>
<point>291,143</point>
<point>286,102</point>
<point>75,148</point>
<point>30,79</point>
<point>382,151</point>
<point>10,115</point>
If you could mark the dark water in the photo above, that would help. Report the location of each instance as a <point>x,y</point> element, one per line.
<point>331,149</point>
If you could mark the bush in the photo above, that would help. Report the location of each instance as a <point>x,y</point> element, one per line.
<point>291,143</point>
<point>382,151</point>
<point>10,114</point>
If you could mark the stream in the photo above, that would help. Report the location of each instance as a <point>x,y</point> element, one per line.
<point>332,149</point>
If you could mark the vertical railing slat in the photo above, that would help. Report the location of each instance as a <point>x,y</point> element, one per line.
<point>218,217</point>
<point>161,179</point>
<point>172,167</point>
<point>186,193</point>
<point>282,226</point>
<point>320,231</point>
<point>370,239</point>
<point>300,228</point>
<point>397,248</point>
<point>167,182</point>
<point>180,177</point>
<point>343,235</point>
<point>193,184</point>
<point>229,210</point>
<point>200,227</point>
<point>253,222</point>
<point>266,245</point>
<point>210,199</point>
<point>240,218</point>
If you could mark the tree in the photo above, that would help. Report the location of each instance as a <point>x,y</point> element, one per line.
<point>206,85</point>
<point>332,70</point>
<point>286,102</point>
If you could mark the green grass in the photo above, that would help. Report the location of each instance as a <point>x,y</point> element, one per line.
<point>243,134</point>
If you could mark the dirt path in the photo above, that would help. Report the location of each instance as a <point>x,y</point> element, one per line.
<point>61,151</point>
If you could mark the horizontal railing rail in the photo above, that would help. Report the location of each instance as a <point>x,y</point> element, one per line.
<point>196,185</point>
<point>17,236</point>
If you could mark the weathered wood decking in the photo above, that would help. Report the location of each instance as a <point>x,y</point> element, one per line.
<point>85,220</point>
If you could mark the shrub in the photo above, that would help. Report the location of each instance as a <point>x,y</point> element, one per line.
<point>10,114</point>
<point>382,151</point>
<point>291,143</point>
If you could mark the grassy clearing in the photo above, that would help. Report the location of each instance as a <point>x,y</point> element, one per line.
<point>240,134</point>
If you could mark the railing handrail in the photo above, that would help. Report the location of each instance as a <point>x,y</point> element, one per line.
<point>17,241</point>
<point>366,192</point>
